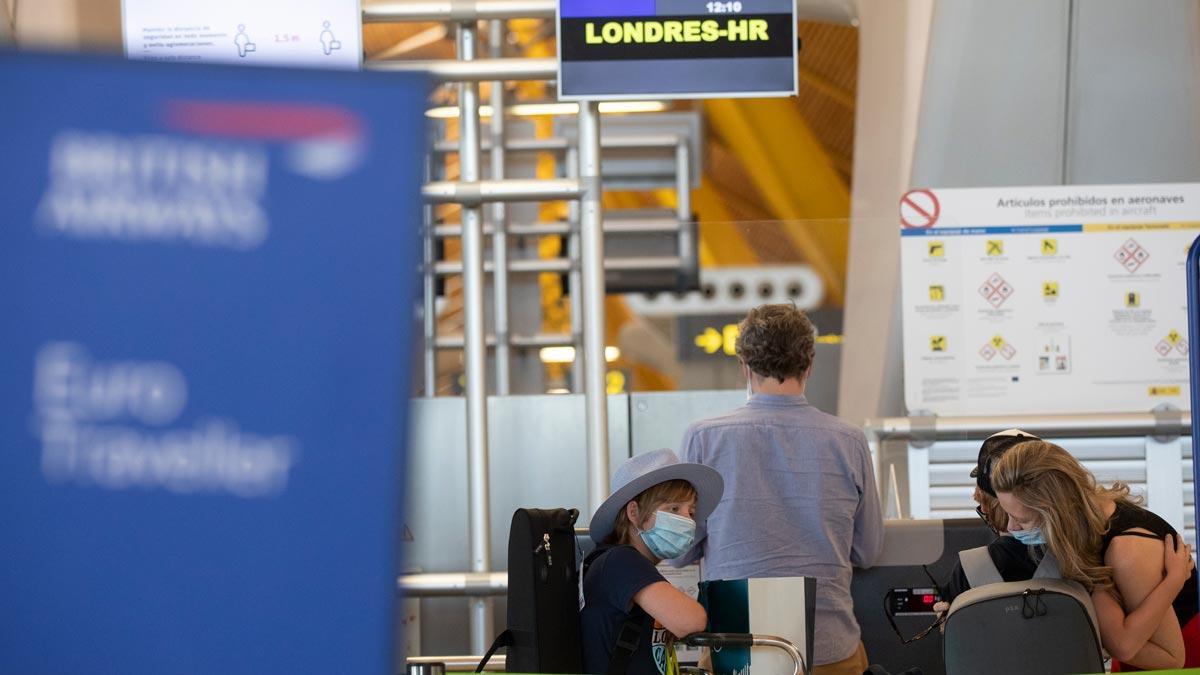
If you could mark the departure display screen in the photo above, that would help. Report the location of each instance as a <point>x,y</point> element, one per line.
<point>625,49</point>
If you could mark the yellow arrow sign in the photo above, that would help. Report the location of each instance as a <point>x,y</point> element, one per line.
<point>729,336</point>
<point>710,340</point>
<point>614,382</point>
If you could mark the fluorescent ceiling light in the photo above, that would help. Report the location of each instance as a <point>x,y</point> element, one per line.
<point>567,354</point>
<point>540,109</point>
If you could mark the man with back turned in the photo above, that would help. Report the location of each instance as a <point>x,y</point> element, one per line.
<point>800,496</point>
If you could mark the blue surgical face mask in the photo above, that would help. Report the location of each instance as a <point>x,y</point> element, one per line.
<point>671,536</point>
<point>1030,537</point>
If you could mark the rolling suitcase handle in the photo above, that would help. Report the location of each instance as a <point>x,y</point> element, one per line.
<point>748,640</point>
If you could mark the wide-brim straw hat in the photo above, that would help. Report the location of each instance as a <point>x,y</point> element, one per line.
<point>646,470</point>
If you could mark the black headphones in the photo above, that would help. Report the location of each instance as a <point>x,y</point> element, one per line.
<point>991,450</point>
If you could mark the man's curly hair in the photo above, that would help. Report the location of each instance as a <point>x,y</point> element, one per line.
<point>776,341</point>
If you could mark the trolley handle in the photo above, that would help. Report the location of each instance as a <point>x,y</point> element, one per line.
<point>717,640</point>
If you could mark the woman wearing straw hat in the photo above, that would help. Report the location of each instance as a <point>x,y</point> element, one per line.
<point>650,516</point>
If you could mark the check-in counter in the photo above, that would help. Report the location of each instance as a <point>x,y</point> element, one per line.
<point>918,556</point>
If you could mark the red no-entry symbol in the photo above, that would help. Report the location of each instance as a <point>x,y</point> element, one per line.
<point>919,208</point>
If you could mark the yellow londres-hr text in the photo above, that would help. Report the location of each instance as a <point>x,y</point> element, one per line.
<point>698,30</point>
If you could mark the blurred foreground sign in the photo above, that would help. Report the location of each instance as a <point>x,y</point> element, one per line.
<point>207,287</point>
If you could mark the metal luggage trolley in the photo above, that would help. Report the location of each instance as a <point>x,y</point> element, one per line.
<point>717,640</point>
<point>543,606</point>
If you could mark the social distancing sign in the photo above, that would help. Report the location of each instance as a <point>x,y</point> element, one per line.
<point>1066,299</point>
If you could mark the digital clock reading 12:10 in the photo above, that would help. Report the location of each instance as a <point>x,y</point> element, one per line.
<point>718,7</point>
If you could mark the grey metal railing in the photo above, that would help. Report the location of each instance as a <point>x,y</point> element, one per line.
<point>1161,429</point>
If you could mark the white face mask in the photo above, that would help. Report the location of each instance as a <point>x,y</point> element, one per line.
<point>749,390</point>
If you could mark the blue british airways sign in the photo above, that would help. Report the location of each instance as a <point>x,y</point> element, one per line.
<point>207,286</point>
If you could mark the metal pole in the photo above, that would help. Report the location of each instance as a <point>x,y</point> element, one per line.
<point>510,190</point>
<point>429,286</point>
<point>575,279</point>
<point>475,345</point>
<point>463,664</point>
<point>453,584</point>
<point>499,220</point>
<point>563,228</point>
<point>440,10</point>
<point>1084,425</point>
<point>591,236</point>
<point>689,272</point>
<point>639,263</point>
<point>683,181</point>
<point>667,141</point>
<point>520,341</point>
<point>482,71</point>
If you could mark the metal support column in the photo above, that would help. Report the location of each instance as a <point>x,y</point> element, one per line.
<point>500,290</point>
<point>683,180</point>
<point>591,235</point>
<point>380,11</point>
<point>1164,478</point>
<point>575,278</point>
<point>475,344</point>
<point>429,287</point>
<point>689,272</point>
<point>919,502</point>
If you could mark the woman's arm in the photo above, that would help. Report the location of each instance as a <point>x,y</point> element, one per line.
<point>672,608</point>
<point>1145,619</point>
<point>1151,656</point>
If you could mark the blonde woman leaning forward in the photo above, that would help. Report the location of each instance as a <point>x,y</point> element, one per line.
<point>1141,576</point>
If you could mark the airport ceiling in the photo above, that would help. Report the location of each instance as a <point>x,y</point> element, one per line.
<point>828,74</point>
<point>786,162</point>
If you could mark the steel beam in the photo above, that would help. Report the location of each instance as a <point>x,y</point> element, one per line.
<point>475,351</point>
<point>591,239</point>
<point>475,192</point>
<point>463,664</point>
<point>453,584</point>
<point>565,265</point>
<point>507,69</point>
<point>665,141</point>
<point>1045,426</point>
<point>575,280</point>
<point>429,291</point>
<point>520,341</point>
<point>500,290</point>
<point>611,226</point>
<point>456,10</point>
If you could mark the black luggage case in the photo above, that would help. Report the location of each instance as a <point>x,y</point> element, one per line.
<point>543,594</point>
